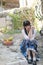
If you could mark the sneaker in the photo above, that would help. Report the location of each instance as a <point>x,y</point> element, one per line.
<point>29,60</point>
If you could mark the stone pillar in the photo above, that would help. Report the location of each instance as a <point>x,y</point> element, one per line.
<point>30,3</point>
<point>22,3</point>
<point>1,2</point>
<point>42,5</point>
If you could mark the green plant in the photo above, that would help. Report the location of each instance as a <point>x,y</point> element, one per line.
<point>15,20</point>
<point>19,17</point>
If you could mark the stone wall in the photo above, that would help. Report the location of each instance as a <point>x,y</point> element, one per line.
<point>42,5</point>
<point>10,4</point>
<point>7,24</point>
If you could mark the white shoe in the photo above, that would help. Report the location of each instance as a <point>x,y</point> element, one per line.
<point>34,58</point>
<point>29,58</point>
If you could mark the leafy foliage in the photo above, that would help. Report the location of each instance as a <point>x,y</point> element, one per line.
<point>21,15</point>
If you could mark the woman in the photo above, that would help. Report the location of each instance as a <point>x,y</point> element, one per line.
<point>29,43</point>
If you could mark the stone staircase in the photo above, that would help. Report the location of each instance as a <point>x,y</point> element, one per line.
<point>11,55</point>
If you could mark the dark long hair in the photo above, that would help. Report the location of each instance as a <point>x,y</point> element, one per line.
<point>26,23</point>
<point>25,31</point>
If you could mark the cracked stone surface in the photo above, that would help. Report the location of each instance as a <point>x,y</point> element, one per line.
<point>11,55</point>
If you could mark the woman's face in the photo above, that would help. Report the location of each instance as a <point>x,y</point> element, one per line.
<point>28,28</point>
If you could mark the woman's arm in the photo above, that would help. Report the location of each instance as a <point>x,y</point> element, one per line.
<point>32,33</point>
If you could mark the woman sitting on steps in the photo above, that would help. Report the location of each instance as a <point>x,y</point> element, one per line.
<point>29,42</point>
